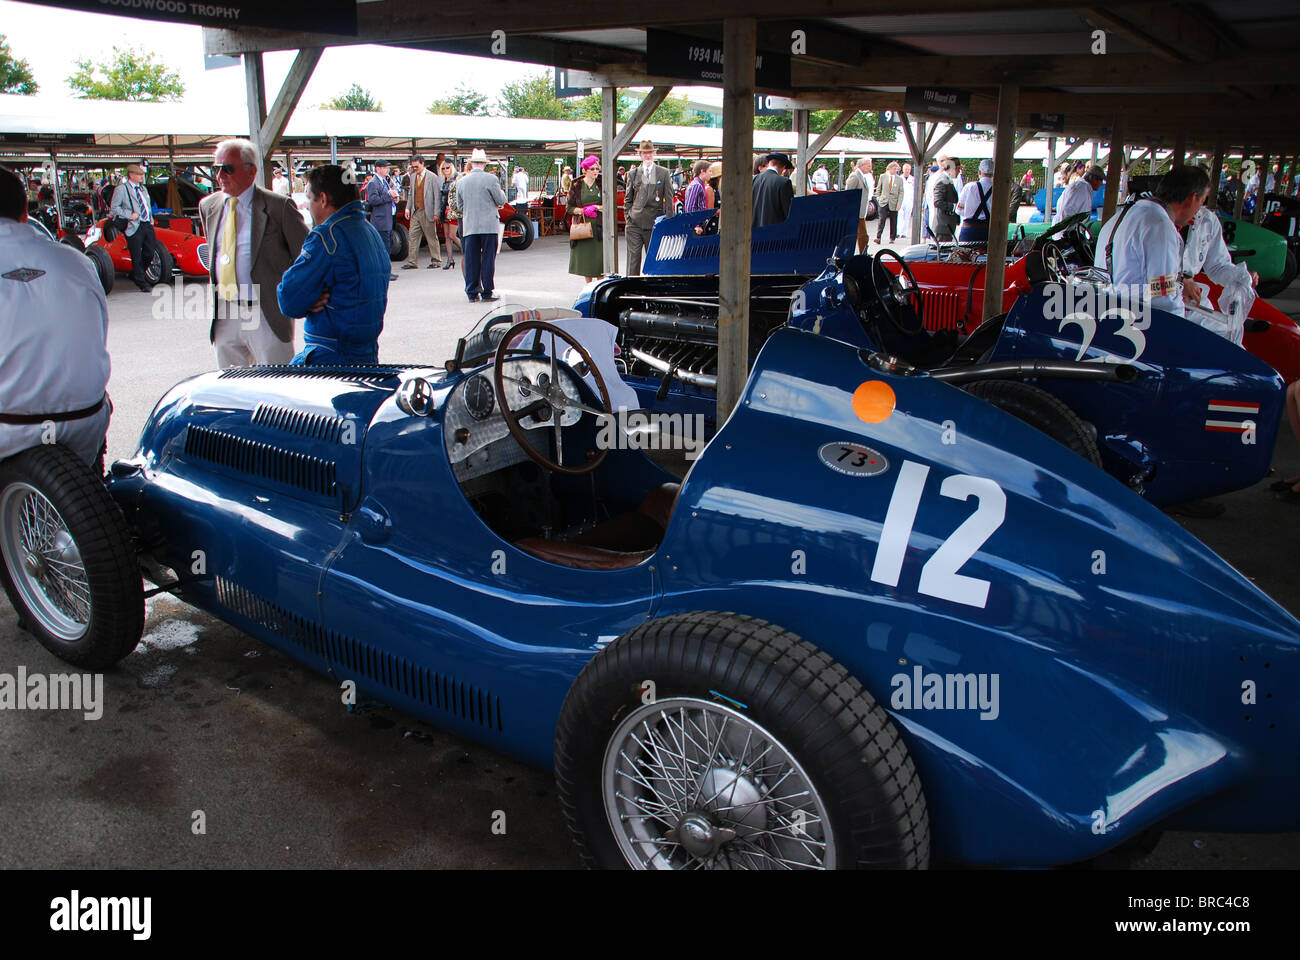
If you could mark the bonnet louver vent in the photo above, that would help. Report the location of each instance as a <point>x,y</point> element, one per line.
<point>314,425</point>
<point>372,375</point>
<point>397,673</point>
<point>312,474</point>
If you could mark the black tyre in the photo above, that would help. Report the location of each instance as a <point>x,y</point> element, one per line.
<point>399,244</point>
<point>103,266</point>
<point>74,241</point>
<point>161,266</point>
<point>68,563</point>
<point>519,232</point>
<point>1271,288</point>
<point>1043,412</point>
<point>787,762</point>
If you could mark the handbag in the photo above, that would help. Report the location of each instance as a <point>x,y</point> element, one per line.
<point>580,228</point>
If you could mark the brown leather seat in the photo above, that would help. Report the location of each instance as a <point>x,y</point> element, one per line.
<point>580,555</point>
<point>619,542</point>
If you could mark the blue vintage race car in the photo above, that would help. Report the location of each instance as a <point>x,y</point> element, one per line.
<point>880,622</point>
<point>1179,414</point>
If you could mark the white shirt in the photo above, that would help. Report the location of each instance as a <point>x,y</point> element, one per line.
<point>281,185</point>
<point>1148,254</point>
<point>1205,250</point>
<point>1077,198</point>
<point>54,326</point>
<point>521,184</point>
<point>243,249</point>
<point>968,198</point>
<point>821,178</point>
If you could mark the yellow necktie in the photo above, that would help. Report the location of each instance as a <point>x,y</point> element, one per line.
<point>227,284</point>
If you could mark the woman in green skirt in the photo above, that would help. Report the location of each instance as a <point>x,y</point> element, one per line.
<point>586,257</point>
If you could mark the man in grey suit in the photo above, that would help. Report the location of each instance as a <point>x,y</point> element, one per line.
<point>422,207</point>
<point>131,203</point>
<point>253,237</point>
<point>649,196</point>
<point>480,197</point>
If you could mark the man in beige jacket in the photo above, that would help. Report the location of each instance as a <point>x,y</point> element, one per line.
<point>889,194</point>
<point>253,236</point>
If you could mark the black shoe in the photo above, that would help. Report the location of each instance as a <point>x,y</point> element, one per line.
<point>1196,509</point>
<point>473,299</point>
<point>449,264</point>
<point>489,298</point>
<point>392,276</point>
<point>409,266</point>
<point>144,287</point>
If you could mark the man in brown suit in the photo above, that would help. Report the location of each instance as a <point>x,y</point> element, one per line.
<point>253,236</point>
<point>422,206</point>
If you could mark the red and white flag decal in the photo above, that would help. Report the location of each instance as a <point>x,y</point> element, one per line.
<point>1231,416</point>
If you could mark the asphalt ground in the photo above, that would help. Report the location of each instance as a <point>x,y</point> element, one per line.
<point>203,724</point>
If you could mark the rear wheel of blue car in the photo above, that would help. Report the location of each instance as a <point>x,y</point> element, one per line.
<point>68,563</point>
<point>1042,411</point>
<point>718,741</point>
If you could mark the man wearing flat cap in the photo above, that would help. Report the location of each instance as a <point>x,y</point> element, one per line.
<point>131,203</point>
<point>773,191</point>
<point>379,199</point>
<point>649,196</point>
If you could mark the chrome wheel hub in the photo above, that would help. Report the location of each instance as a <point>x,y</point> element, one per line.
<point>695,784</point>
<point>45,562</point>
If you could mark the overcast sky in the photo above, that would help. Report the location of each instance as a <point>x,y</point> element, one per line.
<point>51,40</point>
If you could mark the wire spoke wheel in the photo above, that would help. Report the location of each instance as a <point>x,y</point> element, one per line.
<point>45,561</point>
<point>69,564</point>
<point>690,784</point>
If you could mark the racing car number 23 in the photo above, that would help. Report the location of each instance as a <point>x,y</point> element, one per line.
<point>939,576</point>
<point>1128,329</point>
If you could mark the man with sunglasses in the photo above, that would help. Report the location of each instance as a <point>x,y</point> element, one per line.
<point>253,236</point>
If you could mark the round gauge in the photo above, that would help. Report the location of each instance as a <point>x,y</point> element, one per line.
<point>479,399</point>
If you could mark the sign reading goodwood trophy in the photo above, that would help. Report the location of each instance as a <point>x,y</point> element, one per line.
<point>324,16</point>
<point>937,102</point>
<point>693,58</point>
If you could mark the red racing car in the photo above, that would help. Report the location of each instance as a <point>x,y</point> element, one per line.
<point>180,249</point>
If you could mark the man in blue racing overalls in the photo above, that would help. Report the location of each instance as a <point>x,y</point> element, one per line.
<point>340,280</point>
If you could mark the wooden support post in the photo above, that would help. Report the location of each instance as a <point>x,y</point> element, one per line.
<point>609,178</point>
<point>1241,185</point>
<point>999,210</point>
<point>1259,193</point>
<point>1049,180</point>
<point>801,158</point>
<point>1023,138</point>
<point>1114,168</point>
<point>1213,201</point>
<point>255,91</point>
<point>1180,150</point>
<point>739,49</point>
<point>919,173</point>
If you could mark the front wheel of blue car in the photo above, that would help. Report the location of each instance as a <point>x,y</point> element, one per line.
<point>718,741</point>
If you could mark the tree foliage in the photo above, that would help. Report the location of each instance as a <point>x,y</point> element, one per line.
<point>15,74</point>
<point>533,97</point>
<point>863,126</point>
<point>674,111</point>
<point>129,74</point>
<point>354,98</point>
<point>465,102</point>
